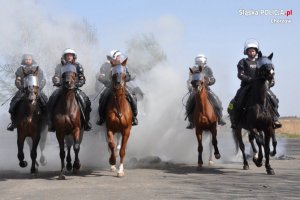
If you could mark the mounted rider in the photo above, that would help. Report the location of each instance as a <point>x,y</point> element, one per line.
<point>29,65</point>
<point>247,74</point>
<point>116,57</point>
<point>69,56</point>
<point>201,61</point>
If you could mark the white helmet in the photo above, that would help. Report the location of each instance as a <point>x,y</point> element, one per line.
<point>69,51</point>
<point>117,56</point>
<point>201,60</point>
<point>251,43</point>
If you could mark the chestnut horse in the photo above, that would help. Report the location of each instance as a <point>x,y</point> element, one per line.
<point>31,121</point>
<point>205,118</point>
<point>118,117</point>
<point>67,120</point>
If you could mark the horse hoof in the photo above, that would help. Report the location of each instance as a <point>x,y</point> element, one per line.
<point>217,156</point>
<point>75,171</point>
<point>200,167</point>
<point>62,177</point>
<point>272,153</point>
<point>112,161</point>
<point>270,171</point>
<point>120,174</point>
<point>246,167</point>
<point>113,168</point>
<point>23,164</point>
<point>210,163</point>
<point>69,167</point>
<point>43,161</point>
<point>77,166</point>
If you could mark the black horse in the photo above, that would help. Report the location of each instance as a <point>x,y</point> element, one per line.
<point>256,117</point>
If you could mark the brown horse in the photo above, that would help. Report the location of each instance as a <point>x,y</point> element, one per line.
<point>119,117</point>
<point>30,119</point>
<point>205,118</point>
<point>67,120</point>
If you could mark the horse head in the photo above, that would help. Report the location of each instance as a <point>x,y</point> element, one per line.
<point>199,81</point>
<point>31,84</point>
<point>68,74</point>
<point>265,67</point>
<point>118,77</point>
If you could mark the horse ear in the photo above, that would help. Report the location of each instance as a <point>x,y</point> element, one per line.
<point>259,54</point>
<point>191,70</point>
<point>270,56</point>
<point>24,72</point>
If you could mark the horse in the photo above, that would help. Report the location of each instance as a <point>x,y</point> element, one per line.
<point>205,118</point>
<point>67,120</point>
<point>31,121</point>
<point>118,117</point>
<point>256,118</point>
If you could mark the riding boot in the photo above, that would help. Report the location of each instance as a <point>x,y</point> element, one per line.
<point>217,106</point>
<point>12,125</point>
<point>102,106</point>
<point>133,104</point>
<point>88,125</point>
<point>50,107</point>
<point>276,123</point>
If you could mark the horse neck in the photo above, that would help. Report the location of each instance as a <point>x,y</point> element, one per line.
<point>28,108</point>
<point>120,95</point>
<point>69,100</point>
<point>201,99</point>
<point>259,90</point>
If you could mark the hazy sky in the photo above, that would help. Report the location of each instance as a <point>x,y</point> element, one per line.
<point>186,28</point>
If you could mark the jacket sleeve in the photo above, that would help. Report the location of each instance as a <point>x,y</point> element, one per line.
<point>241,72</point>
<point>19,78</point>
<point>81,77</point>
<point>129,77</point>
<point>42,80</point>
<point>210,75</point>
<point>56,79</point>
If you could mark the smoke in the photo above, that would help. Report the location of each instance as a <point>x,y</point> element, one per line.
<point>161,130</point>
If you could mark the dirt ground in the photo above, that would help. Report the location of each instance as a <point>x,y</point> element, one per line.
<point>155,179</point>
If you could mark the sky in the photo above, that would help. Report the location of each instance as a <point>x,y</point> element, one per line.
<point>187,28</point>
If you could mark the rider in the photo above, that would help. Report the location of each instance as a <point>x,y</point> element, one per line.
<point>29,65</point>
<point>69,56</point>
<point>247,73</point>
<point>200,61</point>
<point>116,57</point>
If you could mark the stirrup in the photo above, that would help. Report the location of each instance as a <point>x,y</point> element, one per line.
<point>190,126</point>
<point>134,121</point>
<point>87,126</point>
<point>277,124</point>
<point>100,121</point>
<point>10,127</point>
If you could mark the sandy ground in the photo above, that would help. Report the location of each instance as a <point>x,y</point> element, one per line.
<point>151,178</point>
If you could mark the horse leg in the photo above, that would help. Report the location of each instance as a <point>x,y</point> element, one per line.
<point>76,147</point>
<point>62,155</point>
<point>259,142</point>
<point>274,143</point>
<point>200,148</point>
<point>42,145</point>
<point>210,160</point>
<point>20,143</point>
<point>69,159</point>
<point>251,140</point>
<point>123,152</point>
<point>239,137</point>
<point>269,169</point>
<point>215,142</point>
<point>33,155</point>
<point>111,145</point>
